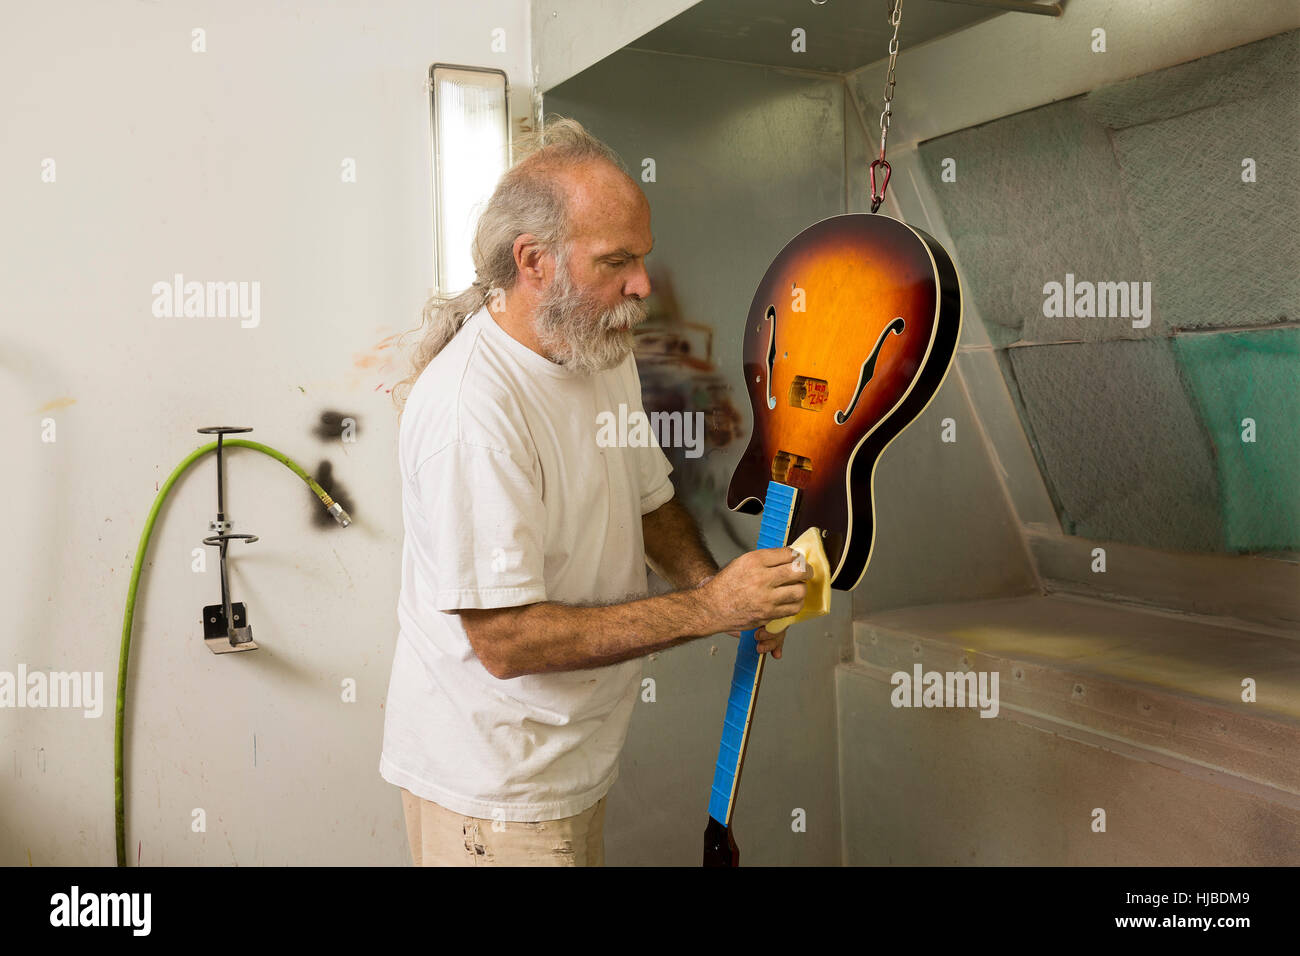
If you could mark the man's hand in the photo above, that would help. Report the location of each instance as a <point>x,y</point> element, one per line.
<point>772,642</point>
<point>756,588</point>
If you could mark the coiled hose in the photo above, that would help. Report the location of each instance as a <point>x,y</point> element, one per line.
<point>334,508</point>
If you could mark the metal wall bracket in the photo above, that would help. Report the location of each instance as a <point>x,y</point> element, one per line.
<point>216,632</point>
<point>225,625</point>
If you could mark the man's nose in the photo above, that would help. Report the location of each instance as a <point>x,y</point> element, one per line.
<point>639,285</point>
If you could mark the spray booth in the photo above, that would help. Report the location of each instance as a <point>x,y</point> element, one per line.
<point>1092,527</point>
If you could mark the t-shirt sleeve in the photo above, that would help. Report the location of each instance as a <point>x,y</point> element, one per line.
<point>488,524</point>
<point>653,466</point>
<point>656,488</point>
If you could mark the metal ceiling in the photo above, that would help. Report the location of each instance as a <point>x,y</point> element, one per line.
<point>842,35</point>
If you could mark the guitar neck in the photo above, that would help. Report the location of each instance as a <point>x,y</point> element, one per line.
<point>778,513</point>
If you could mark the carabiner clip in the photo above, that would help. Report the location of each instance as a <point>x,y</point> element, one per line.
<point>878,198</point>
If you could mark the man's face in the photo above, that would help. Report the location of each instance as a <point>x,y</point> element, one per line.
<point>579,332</point>
<point>585,318</point>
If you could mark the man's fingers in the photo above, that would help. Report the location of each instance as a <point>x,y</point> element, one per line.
<point>786,574</point>
<point>789,564</point>
<point>772,557</point>
<point>790,598</point>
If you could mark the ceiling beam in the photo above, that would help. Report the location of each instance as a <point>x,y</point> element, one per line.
<point>1051,8</point>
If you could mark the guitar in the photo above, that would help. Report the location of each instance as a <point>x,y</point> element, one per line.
<point>850,334</point>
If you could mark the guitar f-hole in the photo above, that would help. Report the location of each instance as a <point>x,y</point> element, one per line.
<point>869,368</point>
<point>771,353</point>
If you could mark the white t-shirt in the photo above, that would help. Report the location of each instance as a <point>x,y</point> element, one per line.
<point>508,499</point>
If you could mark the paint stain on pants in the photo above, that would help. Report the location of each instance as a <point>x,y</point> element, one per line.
<point>441,837</point>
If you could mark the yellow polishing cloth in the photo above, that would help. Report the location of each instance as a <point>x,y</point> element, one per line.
<point>818,599</point>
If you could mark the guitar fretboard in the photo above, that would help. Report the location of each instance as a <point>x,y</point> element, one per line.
<point>778,512</point>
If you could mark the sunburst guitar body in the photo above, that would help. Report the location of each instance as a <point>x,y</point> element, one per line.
<point>849,336</point>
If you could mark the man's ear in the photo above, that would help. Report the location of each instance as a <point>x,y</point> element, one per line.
<point>529,259</point>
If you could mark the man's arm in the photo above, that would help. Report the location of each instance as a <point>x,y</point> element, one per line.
<point>674,547</point>
<point>757,587</point>
<point>539,638</point>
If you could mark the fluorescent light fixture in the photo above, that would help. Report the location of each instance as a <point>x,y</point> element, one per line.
<point>470,120</point>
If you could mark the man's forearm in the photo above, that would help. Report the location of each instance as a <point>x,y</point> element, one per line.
<point>674,547</point>
<point>559,637</point>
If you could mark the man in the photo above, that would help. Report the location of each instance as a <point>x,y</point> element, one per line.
<point>522,629</point>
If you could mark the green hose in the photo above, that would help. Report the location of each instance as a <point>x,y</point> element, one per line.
<point>141,549</point>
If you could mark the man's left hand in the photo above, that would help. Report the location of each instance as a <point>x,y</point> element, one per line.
<point>766,642</point>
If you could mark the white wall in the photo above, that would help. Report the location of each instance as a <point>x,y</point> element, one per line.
<point>223,165</point>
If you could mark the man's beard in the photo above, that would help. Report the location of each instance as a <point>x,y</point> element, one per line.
<point>581,334</point>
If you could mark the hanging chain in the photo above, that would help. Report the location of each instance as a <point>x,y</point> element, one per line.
<point>895,17</point>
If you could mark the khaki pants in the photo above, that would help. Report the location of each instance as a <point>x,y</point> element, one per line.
<point>440,837</point>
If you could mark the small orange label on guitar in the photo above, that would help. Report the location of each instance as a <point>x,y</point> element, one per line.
<point>809,393</point>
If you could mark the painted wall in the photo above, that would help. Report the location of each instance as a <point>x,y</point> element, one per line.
<point>225,165</point>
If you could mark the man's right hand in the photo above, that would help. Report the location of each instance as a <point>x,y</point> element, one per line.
<point>757,587</point>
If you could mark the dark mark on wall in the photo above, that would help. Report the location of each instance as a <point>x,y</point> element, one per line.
<point>333,425</point>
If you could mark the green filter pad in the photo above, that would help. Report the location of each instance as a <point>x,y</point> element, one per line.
<point>1251,375</point>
